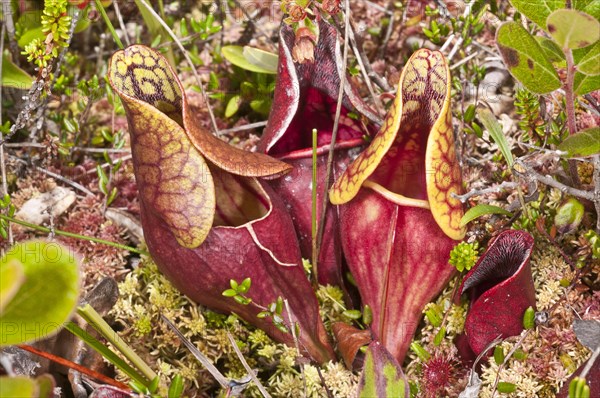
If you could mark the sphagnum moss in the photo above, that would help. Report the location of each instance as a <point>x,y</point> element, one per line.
<point>145,294</point>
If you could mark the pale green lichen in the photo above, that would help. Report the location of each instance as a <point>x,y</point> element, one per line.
<point>331,305</point>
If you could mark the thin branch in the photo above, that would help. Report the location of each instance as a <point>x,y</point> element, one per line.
<point>464,60</point>
<point>253,23</point>
<point>479,192</point>
<point>55,176</point>
<point>366,67</point>
<point>244,127</point>
<point>378,7</point>
<point>528,172</point>
<point>121,23</point>
<point>2,160</point>
<point>33,98</point>
<point>7,16</point>
<point>389,30</point>
<point>568,87</point>
<point>255,379</point>
<point>506,358</point>
<point>336,125</point>
<point>593,103</point>
<point>327,391</point>
<point>590,363</point>
<point>212,369</point>
<point>570,110</point>
<point>363,61</point>
<point>296,341</point>
<point>72,365</point>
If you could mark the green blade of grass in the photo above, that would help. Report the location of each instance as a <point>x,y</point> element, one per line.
<point>116,38</point>
<point>495,129</point>
<point>90,315</point>
<point>481,210</point>
<point>106,352</point>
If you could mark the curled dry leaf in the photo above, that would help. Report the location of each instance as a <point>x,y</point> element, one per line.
<point>350,340</point>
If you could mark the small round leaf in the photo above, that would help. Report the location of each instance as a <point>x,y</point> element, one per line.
<point>525,59</point>
<point>47,297</point>
<point>573,29</point>
<point>12,277</point>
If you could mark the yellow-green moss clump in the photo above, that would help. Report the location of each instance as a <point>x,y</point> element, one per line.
<point>145,294</point>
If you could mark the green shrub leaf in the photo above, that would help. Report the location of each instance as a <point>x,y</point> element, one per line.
<point>573,29</point>
<point>526,59</point>
<point>590,62</point>
<point>13,76</point>
<point>12,277</point>
<point>584,84</point>
<point>251,59</point>
<point>506,388</point>
<point>529,318</point>
<point>261,58</point>
<point>538,10</point>
<point>591,7</point>
<point>233,105</point>
<point>47,297</point>
<point>584,143</point>
<point>495,129</point>
<point>19,386</point>
<point>551,49</point>
<point>482,210</point>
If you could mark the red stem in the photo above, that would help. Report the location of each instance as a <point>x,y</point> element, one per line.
<point>75,366</point>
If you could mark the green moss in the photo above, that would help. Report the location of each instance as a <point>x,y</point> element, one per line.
<point>464,255</point>
<point>145,294</point>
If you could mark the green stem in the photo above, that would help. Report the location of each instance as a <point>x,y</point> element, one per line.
<point>90,315</point>
<point>106,353</point>
<point>116,38</point>
<point>73,235</point>
<point>315,253</point>
<point>570,109</point>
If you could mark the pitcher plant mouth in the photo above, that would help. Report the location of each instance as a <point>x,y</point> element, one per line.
<point>306,99</point>
<point>182,190</point>
<point>500,287</point>
<point>412,158</point>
